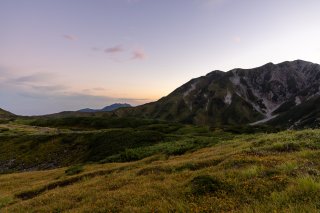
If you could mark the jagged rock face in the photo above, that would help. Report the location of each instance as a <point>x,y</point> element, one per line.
<point>240,96</point>
<point>270,86</point>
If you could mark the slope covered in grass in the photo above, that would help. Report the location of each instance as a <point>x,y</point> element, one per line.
<point>6,116</point>
<point>27,145</point>
<point>277,172</point>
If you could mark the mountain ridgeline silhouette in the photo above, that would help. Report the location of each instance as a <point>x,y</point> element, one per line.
<point>107,108</point>
<point>284,94</point>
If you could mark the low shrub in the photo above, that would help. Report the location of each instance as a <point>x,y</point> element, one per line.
<point>5,201</point>
<point>3,129</point>
<point>251,171</point>
<point>285,147</point>
<point>157,170</point>
<point>305,189</point>
<point>204,184</point>
<point>73,170</point>
<point>288,167</point>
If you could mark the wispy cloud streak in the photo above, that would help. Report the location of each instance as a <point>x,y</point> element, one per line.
<point>138,54</point>
<point>69,37</point>
<point>115,49</point>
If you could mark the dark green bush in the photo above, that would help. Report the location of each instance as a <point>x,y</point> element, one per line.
<point>73,170</point>
<point>205,184</point>
<point>286,147</point>
<point>4,130</point>
<point>80,123</point>
<point>105,144</point>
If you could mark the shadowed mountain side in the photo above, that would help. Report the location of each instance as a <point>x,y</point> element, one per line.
<point>240,96</point>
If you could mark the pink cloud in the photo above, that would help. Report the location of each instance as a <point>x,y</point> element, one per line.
<point>138,54</point>
<point>69,37</point>
<point>114,49</point>
<point>98,89</point>
<point>95,49</point>
<point>236,39</point>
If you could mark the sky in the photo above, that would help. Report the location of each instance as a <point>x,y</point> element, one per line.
<point>60,55</point>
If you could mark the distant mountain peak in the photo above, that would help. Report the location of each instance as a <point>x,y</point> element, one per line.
<point>109,108</point>
<point>115,106</point>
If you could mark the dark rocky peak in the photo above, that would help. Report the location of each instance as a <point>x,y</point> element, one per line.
<point>269,86</point>
<point>239,96</point>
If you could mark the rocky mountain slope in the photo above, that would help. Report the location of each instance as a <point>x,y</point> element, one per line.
<point>241,96</point>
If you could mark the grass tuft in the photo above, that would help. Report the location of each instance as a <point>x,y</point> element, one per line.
<point>204,184</point>
<point>73,170</point>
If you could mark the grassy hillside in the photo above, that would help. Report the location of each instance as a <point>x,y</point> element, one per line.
<point>4,113</point>
<point>46,143</point>
<point>277,172</point>
<point>6,116</point>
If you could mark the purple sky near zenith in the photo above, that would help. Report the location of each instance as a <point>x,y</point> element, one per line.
<point>58,55</point>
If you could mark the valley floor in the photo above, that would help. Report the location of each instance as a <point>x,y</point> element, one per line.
<point>277,172</point>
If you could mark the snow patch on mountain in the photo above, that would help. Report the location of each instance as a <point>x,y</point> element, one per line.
<point>192,87</point>
<point>264,120</point>
<point>228,98</point>
<point>235,79</point>
<point>186,93</point>
<point>297,100</point>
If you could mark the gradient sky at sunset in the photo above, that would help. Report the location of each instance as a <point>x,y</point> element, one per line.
<point>58,55</point>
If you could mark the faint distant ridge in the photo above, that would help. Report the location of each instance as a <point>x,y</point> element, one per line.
<point>109,108</point>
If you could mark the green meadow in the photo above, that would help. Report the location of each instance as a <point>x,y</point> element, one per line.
<point>50,165</point>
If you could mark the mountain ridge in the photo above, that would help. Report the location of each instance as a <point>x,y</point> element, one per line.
<point>284,95</point>
<point>239,96</point>
<point>109,108</point>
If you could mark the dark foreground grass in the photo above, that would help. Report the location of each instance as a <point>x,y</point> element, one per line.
<point>27,148</point>
<point>249,173</point>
